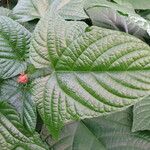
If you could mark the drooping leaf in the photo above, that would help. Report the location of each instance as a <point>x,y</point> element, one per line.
<point>19,96</point>
<point>12,133</point>
<point>27,10</point>
<point>141,115</point>
<point>111,19</point>
<point>112,132</point>
<point>14,46</point>
<point>94,72</point>
<point>137,4</point>
<point>141,22</point>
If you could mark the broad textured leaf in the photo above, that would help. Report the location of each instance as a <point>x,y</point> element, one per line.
<point>19,96</point>
<point>27,10</point>
<point>14,46</point>
<point>4,11</point>
<point>141,115</point>
<point>137,4</point>
<point>111,19</point>
<point>112,132</point>
<point>12,133</point>
<point>94,72</point>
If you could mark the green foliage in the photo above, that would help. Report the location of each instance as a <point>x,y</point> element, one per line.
<point>85,61</point>
<point>13,134</point>
<point>111,132</point>
<point>14,46</point>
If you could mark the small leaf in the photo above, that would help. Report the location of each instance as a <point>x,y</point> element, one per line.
<point>12,133</point>
<point>14,46</point>
<point>141,115</point>
<point>19,96</point>
<point>112,132</point>
<point>94,72</point>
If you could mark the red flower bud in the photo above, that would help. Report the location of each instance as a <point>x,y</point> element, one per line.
<point>23,78</point>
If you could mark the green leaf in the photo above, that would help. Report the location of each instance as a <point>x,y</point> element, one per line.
<point>20,97</point>
<point>12,133</point>
<point>4,11</point>
<point>112,132</point>
<point>14,46</point>
<point>27,10</point>
<point>72,9</point>
<point>33,9</point>
<point>141,115</point>
<point>94,72</point>
<point>104,3</point>
<point>111,19</point>
<point>137,4</point>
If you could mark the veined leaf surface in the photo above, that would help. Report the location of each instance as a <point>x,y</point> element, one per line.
<point>19,96</point>
<point>14,46</point>
<point>95,71</point>
<point>13,134</point>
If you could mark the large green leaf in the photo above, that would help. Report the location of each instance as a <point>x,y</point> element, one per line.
<point>12,133</point>
<point>14,45</point>
<point>112,132</point>
<point>137,4</point>
<point>141,115</point>
<point>72,9</point>
<point>27,10</point>
<point>94,72</point>
<point>19,96</point>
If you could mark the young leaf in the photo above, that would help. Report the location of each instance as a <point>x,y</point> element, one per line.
<point>94,72</point>
<point>19,96</point>
<point>12,133</point>
<point>112,132</point>
<point>141,115</point>
<point>14,46</point>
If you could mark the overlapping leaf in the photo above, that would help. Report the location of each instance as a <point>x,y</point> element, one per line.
<point>27,10</point>
<point>141,115</point>
<point>19,96</point>
<point>111,19</point>
<point>14,45</point>
<point>95,71</point>
<point>12,133</point>
<point>103,133</point>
